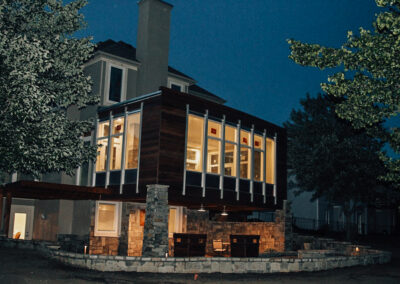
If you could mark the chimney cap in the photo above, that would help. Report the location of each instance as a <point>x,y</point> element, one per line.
<point>160,1</point>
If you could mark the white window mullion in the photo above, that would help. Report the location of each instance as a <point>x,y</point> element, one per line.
<point>222,159</point>
<point>205,144</point>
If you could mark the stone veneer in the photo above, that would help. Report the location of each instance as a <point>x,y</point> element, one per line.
<point>274,236</point>
<point>155,235</point>
<point>200,264</point>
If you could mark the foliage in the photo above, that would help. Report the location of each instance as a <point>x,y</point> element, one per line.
<point>41,81</point>
<point>369,77</point>
<point>330,158</point>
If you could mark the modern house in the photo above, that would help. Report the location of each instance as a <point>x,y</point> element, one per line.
<point>158,133</point>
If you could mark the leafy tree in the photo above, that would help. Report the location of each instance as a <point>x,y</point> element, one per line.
<point>41,78</point>
<point>331,159</point>
<point>369,77</point>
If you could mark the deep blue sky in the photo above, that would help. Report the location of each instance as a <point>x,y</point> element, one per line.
<point>237,48</point>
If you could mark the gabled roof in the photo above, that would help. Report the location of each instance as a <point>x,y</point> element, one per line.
<point>127,51</point>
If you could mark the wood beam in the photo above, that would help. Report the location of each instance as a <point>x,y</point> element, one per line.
<point>8,211</point>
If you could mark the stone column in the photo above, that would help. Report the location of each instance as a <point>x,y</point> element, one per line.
<point>288,226</point>
<point>155,236</point>
<point>123,238</point>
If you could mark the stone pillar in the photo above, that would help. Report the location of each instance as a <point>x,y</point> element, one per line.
<point>288,226</point>
<point>155,236</point>
<point>123,238</point>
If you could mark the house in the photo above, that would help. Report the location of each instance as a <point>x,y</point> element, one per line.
<point>167,147</point>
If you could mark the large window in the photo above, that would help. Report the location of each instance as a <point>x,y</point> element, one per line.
<point>115,140</point>
<point>248,156</point>
<point>107,219</point>
<point>270,161</point>
<point>132,141</point>
<point>194,150</point>
<point>245,154</point>
<point>213,147</point>
<point>115,87</point>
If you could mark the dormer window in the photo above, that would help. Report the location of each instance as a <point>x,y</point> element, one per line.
<point>176,87</point>
<point>115,90</point>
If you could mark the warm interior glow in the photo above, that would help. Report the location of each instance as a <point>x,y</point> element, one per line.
<point>270,161</point>
<point>19,225</point>
<point>116,153</point>
<point>102,150</point>
<point>132,141</point>
<point>194,150</point>
<point>106,217</point>
<point>214,129</point>
<point>230,159</point>
<point>230,133</point>
<point>171,221</point>
<point>214,156</point>
<point>245,158</point>
<point>258,166</point>
<point>118,125</point>
<point>103,129</point>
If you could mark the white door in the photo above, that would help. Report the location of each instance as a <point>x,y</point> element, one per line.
<point>21,222</point>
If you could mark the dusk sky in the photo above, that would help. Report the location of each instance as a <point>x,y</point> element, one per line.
<point>237,49</point>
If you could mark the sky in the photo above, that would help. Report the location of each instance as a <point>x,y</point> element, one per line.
<point>237,49</point>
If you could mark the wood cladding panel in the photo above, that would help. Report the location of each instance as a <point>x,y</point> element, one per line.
<point>150,142</point>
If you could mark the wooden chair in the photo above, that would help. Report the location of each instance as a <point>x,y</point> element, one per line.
<point>218,247</point>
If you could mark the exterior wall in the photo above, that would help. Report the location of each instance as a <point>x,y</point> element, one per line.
<point>65,217</point>
<point>81,218</point>
<point>272,234</point>
<point>131,91</point>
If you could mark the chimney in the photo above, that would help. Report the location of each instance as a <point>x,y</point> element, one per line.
<point>152,45</point>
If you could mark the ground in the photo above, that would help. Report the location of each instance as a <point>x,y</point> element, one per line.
<point>24,266</point>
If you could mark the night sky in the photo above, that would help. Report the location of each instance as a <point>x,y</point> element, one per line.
<point>237,49</point>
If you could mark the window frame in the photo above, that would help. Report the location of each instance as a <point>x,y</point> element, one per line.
<point>107,100</point>
<point>117,220</point>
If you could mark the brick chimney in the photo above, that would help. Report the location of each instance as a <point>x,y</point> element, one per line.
<point>152,45</point>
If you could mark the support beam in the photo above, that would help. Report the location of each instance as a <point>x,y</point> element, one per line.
<point>7,215</point>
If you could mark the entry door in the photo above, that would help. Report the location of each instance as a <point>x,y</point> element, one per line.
<point>21,222</point>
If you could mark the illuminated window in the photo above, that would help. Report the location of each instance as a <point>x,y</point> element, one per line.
<point>270,161</point>
<point>230,133</point>
<point>258,158</point>
<point>174,220</point>
<point>214,129</point>
<point>230,159</point>
<point>107,219</point>
<point>103,129</point>
<point>245,138</point>
<point>214,156</point>
<point>118,126</point>
<point>132,141</point>
<point>116,153</point>
<point>194,150</point>
<point>245,154</point>
<point>101,161</point>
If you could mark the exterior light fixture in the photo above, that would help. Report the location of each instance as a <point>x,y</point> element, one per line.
<point>201,209</point>
<point>224,213</point>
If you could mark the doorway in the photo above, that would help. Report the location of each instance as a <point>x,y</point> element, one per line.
<point>21,222</point>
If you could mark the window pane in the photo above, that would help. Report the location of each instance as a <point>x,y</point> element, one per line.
<point>171,221</point>
<point>132,141</point>
<point>230,159</point>
<point>194,151</point>
<point>230,133</point>
<point>214,129</point>
<point>245,155</point>
<point>214,156</point>
<point>103,129</point>
<point>270,161</point>
<point>245,137</point>
<point>116,153</point>
<point>258,142</point>
<point>118,125</point>
<point>176,87</point>
<point>102,150</point>
<point>115,84</point>
<point>106,217</point>
<point>258,166</point>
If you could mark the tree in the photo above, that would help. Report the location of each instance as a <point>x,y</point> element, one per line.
<point>41,78</point>
<point>369,77</point>
<point>331,159</point>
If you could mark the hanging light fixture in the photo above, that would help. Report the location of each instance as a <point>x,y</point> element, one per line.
<point>201,209</point>
<point>224,213</point>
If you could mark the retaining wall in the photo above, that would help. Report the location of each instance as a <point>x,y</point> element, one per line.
<point>201,264</point>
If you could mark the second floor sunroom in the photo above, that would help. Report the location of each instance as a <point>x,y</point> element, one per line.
<point>204,151</point>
